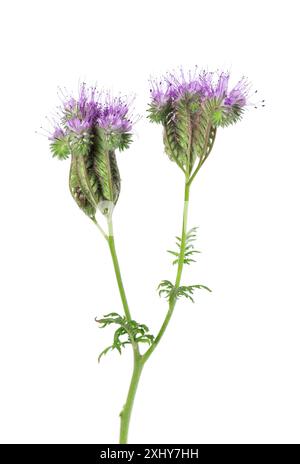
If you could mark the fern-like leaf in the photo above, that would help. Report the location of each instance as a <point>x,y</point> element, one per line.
<point>189,250</point>
<point>170,292</point>
<point>188,290</point>
<point>165,288</point>
<point>127,333</point>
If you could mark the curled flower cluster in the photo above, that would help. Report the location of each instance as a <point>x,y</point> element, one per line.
<point>79,117</point>
<point>90,128</point>
<point>208,89</point>
<point>190,106</point>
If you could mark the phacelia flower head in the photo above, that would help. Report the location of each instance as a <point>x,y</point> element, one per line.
<point>90,127</point>
<point>84,109</point>
<point>114,115</point>
<point>173,86</point>
<point>191,106</point>
<point>210,90</point>
<point>78,118</point>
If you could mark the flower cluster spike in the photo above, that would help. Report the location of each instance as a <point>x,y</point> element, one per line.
<point>191,106</point>
<point>89,129</point>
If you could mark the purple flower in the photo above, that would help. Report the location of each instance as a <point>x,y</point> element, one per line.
<point>80,116</point>
<point>85,109</point>
<point>114,115</point>
<point>94,109</point>
<point>57,134</point>
<point>78,126</point>
<point>205,85</point>
<point>173,87</point>
<point>202,91</point>
<point>239,94</point>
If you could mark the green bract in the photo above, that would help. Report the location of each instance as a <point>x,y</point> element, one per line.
<point>94,174</point>
<point>189,132</point>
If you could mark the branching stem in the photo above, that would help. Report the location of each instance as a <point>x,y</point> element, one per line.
<point>140,360</point>
<point>172,301</point>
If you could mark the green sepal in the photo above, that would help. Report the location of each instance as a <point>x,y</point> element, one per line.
<point>159,114</point>
<point>221,115</point>
<point>119,140</point>
<point>60,148</point>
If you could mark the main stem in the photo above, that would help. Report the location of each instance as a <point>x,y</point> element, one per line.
<point>127,409</point>
<point>138,364</point>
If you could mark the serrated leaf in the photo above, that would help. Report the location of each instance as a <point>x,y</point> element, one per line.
<point>128,332</point>
<point>189,250</point>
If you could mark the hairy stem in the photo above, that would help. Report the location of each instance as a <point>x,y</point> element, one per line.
<point>112,247</point>
<point>127,409</point>
<point>206,151</point>
<point>138,363</point>
<point>172,301</point>
<point>99,228</point>
<point>139,360</point>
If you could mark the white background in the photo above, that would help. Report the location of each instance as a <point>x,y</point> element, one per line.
<point>227,370</point>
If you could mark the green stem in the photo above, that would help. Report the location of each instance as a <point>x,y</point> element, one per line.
<point>139,360</point>
<point>172,301</point>
<point>99,228</point>
<point>138,363</point>
<point>206,150</point>
<point>112,247</point>
<point>126,412</point>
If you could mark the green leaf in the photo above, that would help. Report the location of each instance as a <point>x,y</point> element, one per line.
<point>127,333</point>
<point>189,250</point>
<point>169,291</point>
<point>188,290</point>
<point>165,288</point>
